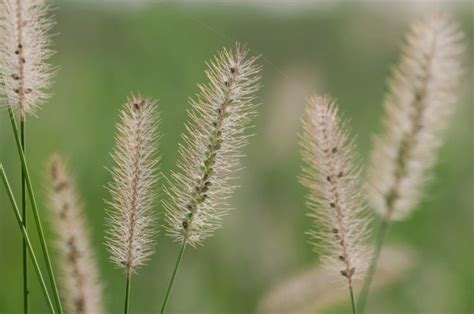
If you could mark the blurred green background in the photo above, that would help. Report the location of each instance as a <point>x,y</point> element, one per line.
<point>106,51</point>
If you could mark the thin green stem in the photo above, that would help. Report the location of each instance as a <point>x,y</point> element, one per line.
<point>353,301</point>
<point>36,215</point>
<point>26,237</point>
<point>23,214</point>
<point>127,292</point>
<point>170,285</point>
<point>382,234</point>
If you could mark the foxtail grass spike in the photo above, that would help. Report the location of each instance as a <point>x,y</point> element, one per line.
<point>24,51</point>
<point>418,107</point>
<point>82,291</point>
<point>332,178</point>
<point>131,220</point>
<point>211,150</point>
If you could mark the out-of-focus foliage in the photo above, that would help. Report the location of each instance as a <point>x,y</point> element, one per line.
<point>160,51</point>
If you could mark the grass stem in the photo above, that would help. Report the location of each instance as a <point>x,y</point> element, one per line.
<point>26,237</point>
<point>353,301</point>
<point>36,215</point>
<point>382,234</point>
<point>24,218</point>
<point>173,276</point>
<point>127,292</point>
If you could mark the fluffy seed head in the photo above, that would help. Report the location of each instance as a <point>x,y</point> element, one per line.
<point>79,275</point>
<point>131,220</point>
<point>331,175</point>
<point>418,107</point>
<point>25,74</point>
<point>210,154</point>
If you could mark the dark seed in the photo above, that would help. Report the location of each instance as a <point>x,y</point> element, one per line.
<point>63,212</point>
<point>61,186</point>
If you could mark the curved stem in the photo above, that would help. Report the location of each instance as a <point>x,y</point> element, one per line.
<point>127,292</point>
<point>353,301</point>
<point>26,238</point>
<point>170,285</point>
<point>36,215</point>
<point>23,214</point>
<point>382,234</point>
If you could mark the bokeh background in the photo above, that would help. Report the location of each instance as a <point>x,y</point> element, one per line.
<point>106,49</point>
